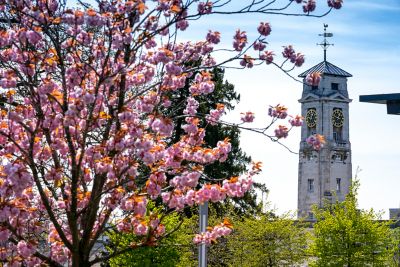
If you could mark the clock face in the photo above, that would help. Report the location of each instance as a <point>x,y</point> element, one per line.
<point>311,118</point>
<point>337,118</point>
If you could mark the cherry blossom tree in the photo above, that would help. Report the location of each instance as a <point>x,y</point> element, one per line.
<point>85,114</point>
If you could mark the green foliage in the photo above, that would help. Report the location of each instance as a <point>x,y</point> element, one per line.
<point>268,241</point>
<point>263,240</point>
<point>347,236</point>
<point>164,253</point>
<point>396,246</point>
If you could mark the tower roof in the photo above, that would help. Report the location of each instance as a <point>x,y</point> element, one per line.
<point>326,68</point>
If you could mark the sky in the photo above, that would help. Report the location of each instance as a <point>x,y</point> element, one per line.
<point>366,38</point>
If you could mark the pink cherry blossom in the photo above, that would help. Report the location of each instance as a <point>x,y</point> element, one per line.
<point>317,141</point>
<point>4,235</point>
<point>288,52</point>
<point>213,37</point>
<point>33,37</point>
<point>215,114</point>
<point>309,6</point>
<point>205,7</point>
<point>281,132</point>
<point>259,46</point>
<point>8,83</point>
<point>239,40</point>
<point>264,28</point>
<point>296,121</point>
<point>278,111</point>
<point>247,61</point>
<point>247,116</point>
<point>214,233</point>
<point>268,56</point>
<point>313,78</point>
<point>337,4</point>
<point>297,59</point>
<point>182,24</point>
<point>141,229</point>
<point>25,249</point>
<point>202,84</point>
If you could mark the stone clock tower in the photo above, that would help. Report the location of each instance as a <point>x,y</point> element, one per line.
<point>324,175</point>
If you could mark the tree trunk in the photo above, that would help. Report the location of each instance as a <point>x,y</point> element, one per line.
<point>79,260</point>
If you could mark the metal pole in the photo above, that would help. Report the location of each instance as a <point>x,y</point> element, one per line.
<point>203,218</point>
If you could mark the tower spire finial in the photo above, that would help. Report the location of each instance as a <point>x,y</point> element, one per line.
<point>325,44</point>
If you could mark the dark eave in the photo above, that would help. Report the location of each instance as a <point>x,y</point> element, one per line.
<point>392,101</point>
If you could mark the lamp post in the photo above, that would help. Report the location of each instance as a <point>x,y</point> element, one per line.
<point>203,219</point>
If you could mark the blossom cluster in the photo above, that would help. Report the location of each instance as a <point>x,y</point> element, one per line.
<point>313,78</point>
<point>264,28</point>
<point>309,6</point>
<point>239,40</point>
<point>296,121</point>
<point>281,112</point>
<point>248,61</point>
<point>278,111</point>
<point>247,116</point>
<point>213,233</point>
<point>296,58</point>
<point>268,56</point>
<point>317,141</point>
<point>281,132</point>
<point>215,114</point>
<point>184,194</point>
<point>337,4</point>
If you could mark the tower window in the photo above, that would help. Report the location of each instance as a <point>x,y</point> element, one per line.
<point>310,216</point>
<point>338,184</point>
<point>335,86</point>
<point>310,185</point>
<point>337,134</point>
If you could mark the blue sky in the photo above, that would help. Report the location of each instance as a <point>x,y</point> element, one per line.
<point>366,44</point>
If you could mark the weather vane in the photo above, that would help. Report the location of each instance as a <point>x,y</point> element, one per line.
<point>325,43</point>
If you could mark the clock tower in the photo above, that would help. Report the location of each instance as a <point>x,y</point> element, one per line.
<point>324,175</point>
